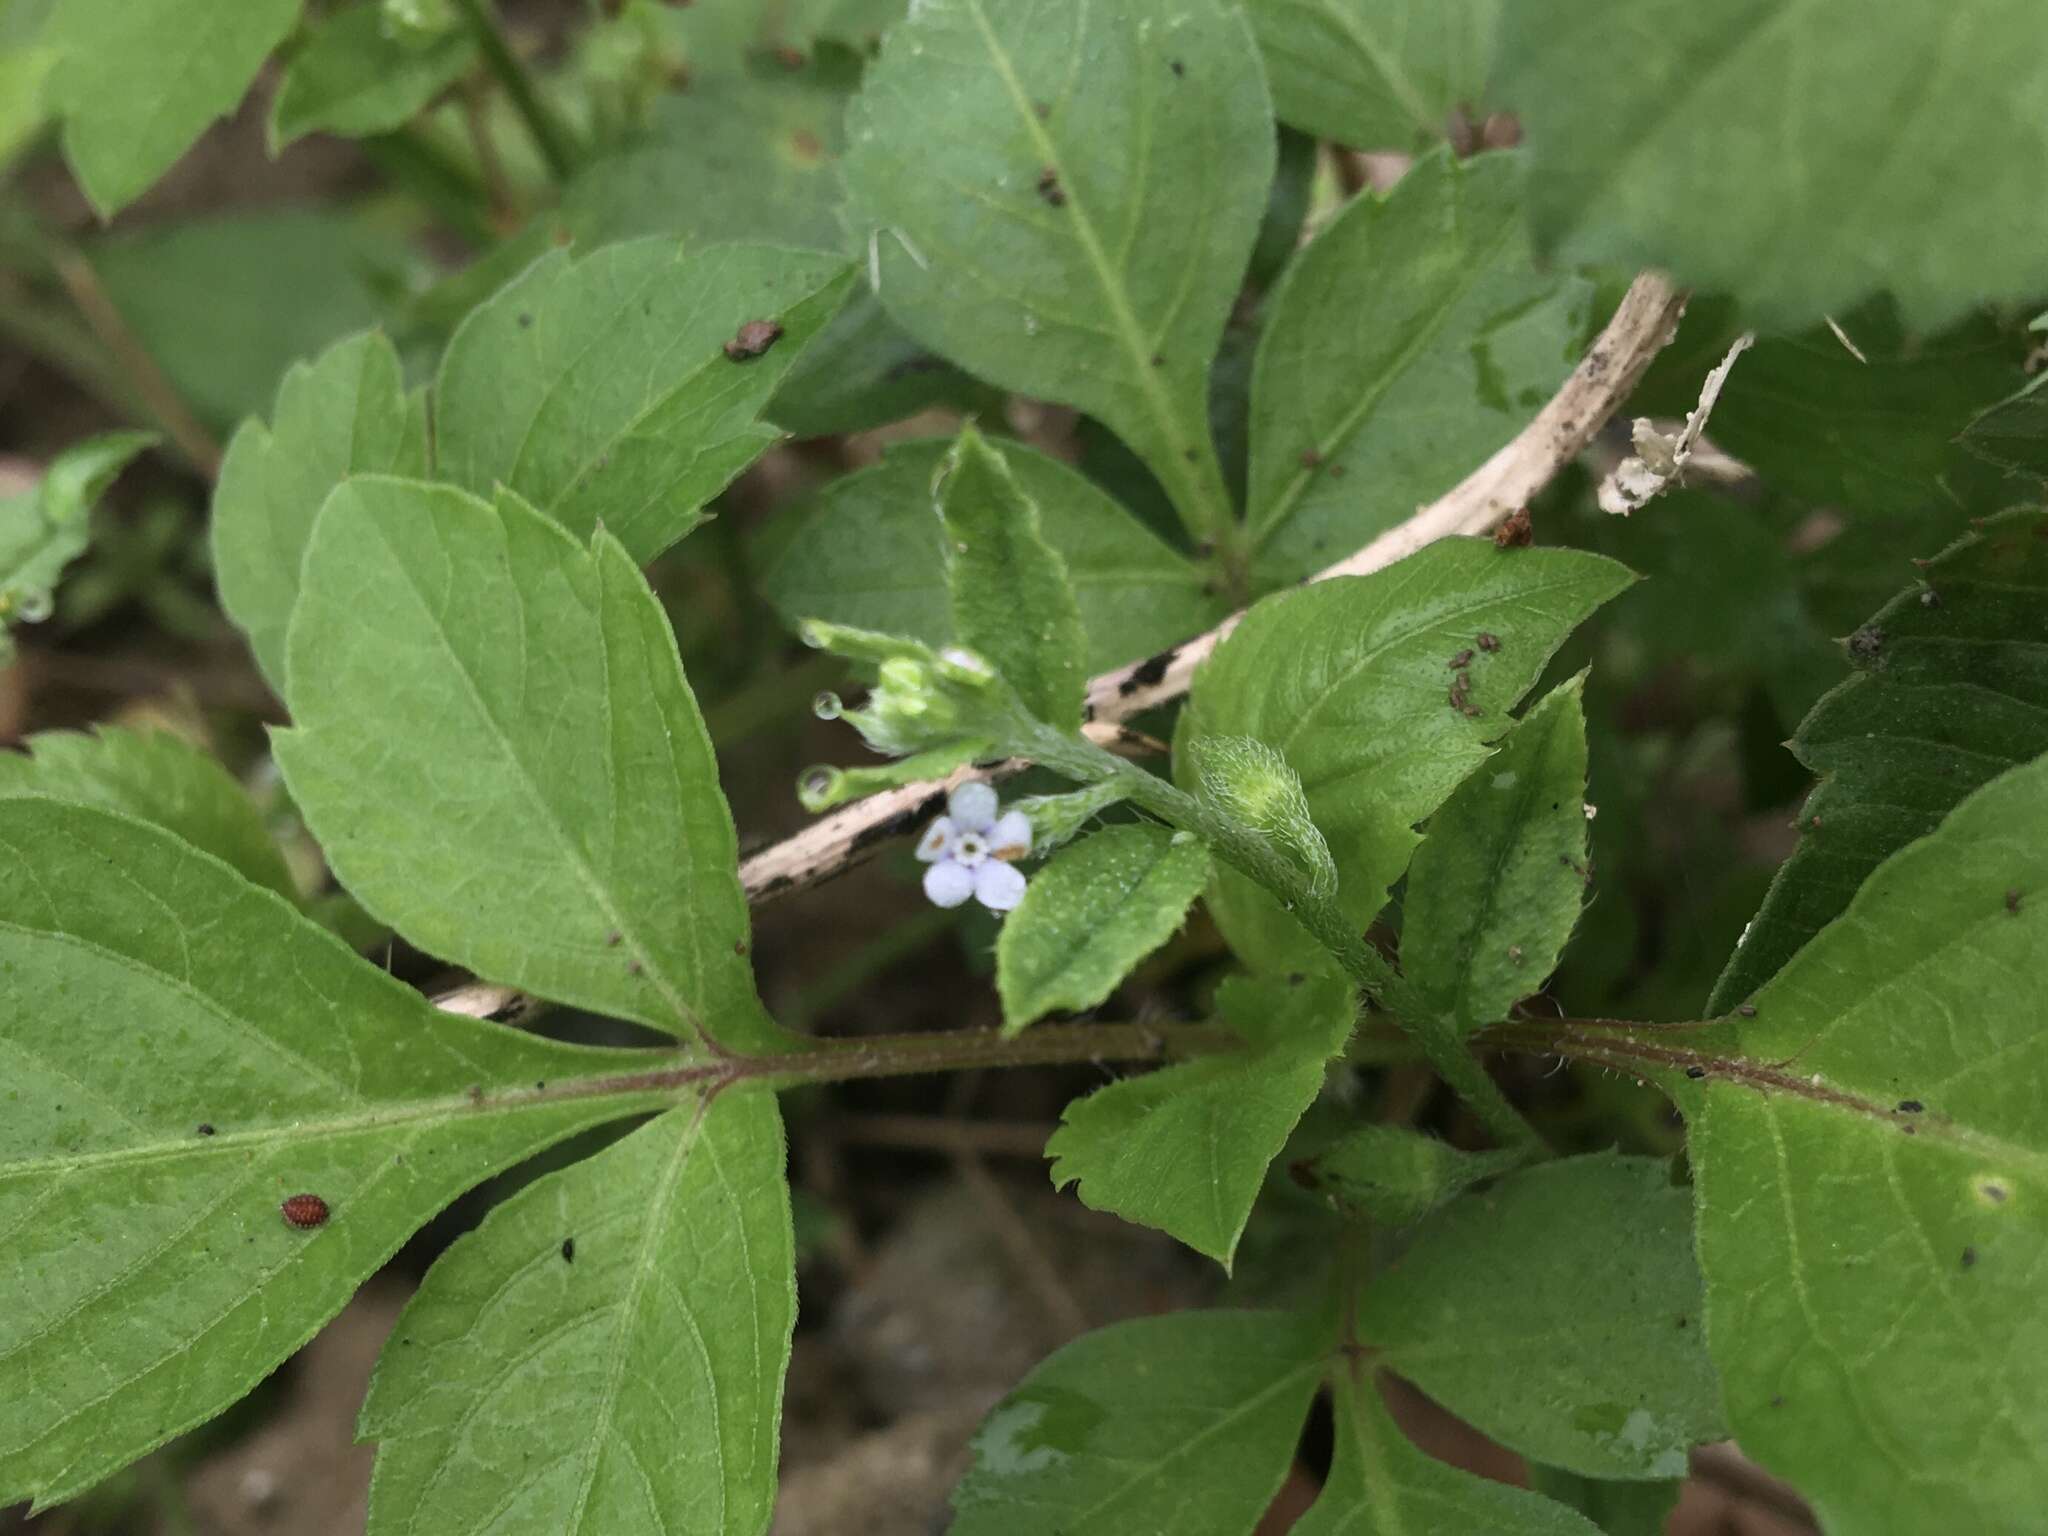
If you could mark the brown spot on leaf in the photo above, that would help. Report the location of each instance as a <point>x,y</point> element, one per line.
<point>1517,532</point>
<point>752,339</point>
<point>1487,641</point>
<point>1050,189</point>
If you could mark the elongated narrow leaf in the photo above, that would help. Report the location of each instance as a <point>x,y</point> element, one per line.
<point>1381,1485</point>
<point>1412,338</point>
<point>1872,1176</point>
<point>183,1052</point>
<point>1376,74</point>
<point>1185,1149</point>
<point>868,554</point>
<point>626,388</point>
<point>42,530</point>
<point>1062,199</point>
<point>1395,1176</point>
<point>1951,689</point>
<point>137,81</point>
<point>346,413</point>
<point>1092,914</point>
<point>1496,886</point>
<point>1735,143</point>
<point>354,77</point>
<point>1559,1312</point>
<point>604,1354</point>
<point>1007,587</point>
<point>488,714</point>
<point>1353,681</point>
<point>154,777</point>
<point>1184,1423</point>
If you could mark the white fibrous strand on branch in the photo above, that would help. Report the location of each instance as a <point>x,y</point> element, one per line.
<point>1660,457</point>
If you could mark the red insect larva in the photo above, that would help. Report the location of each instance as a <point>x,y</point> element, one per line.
<point>304,1212</point>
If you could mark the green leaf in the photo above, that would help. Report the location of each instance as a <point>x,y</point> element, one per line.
<point>345,413</point>
<point>183,1051</point>
<point>734,157</point>
<point>225,305</point>
<point>486,714</point>
<point>1091,915</point>
<point>1618,1509</point>
<point>44,529</point>
<point>601,391</point>
<point>1559,1312</point>
<point>1185,1149</point>
<point>24,75</point>
<point>1872,1178</point>
<point>1736,144</point>
<point>1495,888</point>
<point>1185,1423</point>
<point>1395,1176</point>
<point>606,1352</point>
<point>1375,74</point>
<point>355,77</point>
<point>1948,694</point>
<point>1381,1485</point>
<point>1063,200</point>
<point>1351,680</point>
<point>1007,587</point>
<point>2013,434</point>
<point>868,553</point>
<point>1411,339</point>
<point>139,80</point>
<point>158,778</point>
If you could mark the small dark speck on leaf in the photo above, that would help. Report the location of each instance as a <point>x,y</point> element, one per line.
<point>525,321</point>
<point>1695,1073</point>
<point>1310,458</point>
<point>1336,471</point>
<point>1462,659</point>
<point>1189,454</point>
<point>1158,359</point>
<point>1050,189</point>
<point>1179,69</point>
<point>1778,1401</point>
<point>205,1128</point>
<point>1043,109</point>
<point>568,1250</point>
<point>632,967</point>
<point>1867,644</point>
<point>1969,1258</point>
<point>611,940</point>
<point>1910,1106</point>
<point>1685,1322</point>
<point>1488,641</point>
<point>476,1093</point>
<point>752,339</point>
<point>2012,902</point>
<point>1747,1010</point>
<point>739,946</point>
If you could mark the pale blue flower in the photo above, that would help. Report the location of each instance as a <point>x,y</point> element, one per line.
<point>970,850</point>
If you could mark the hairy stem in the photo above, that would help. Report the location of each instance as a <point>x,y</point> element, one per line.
<point>1256,858</point>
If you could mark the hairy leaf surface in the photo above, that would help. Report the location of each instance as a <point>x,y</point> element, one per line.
<point>1872,1179</point>
<point>486,712</point>
<point>346,413</point>
<point>1185,1149</point>
<point>1062,199</point>
<point>1351,680</point>
<point>600,388</point>
<point>183,1052</point>
<point>605,1353</point>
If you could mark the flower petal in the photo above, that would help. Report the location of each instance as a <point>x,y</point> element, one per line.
<point>998,886</point>
<point>973,806</point>
<point>948,884</point>
<point>1011,836</point>
<point>937,840</point>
